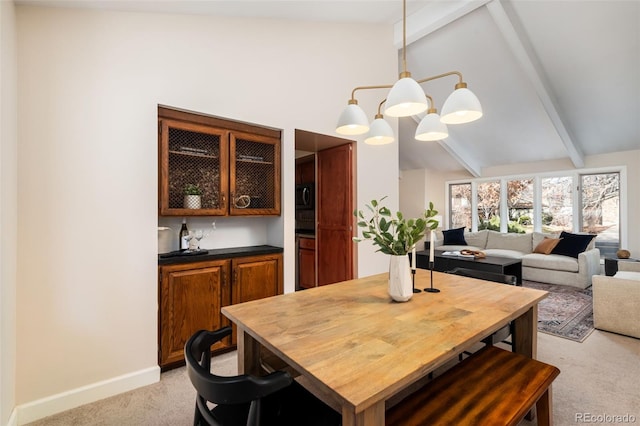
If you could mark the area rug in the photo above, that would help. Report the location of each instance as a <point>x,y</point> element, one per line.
<point>566,312</point>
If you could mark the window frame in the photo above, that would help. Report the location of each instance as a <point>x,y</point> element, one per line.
<point>576,175</point>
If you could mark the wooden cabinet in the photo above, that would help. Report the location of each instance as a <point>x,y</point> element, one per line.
<point>257,277</point>
<point>305,170</point>
<point>306,262</point>
<point>235,166</point>
<point>335,214</point>
<point>192,294</point>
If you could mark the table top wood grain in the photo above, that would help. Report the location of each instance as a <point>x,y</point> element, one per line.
<point>355,345</point>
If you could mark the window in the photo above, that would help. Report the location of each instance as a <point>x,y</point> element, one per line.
<point>557,205</point>
<point>489,205</point>
<point>600,210</point>
<point>520,205</point>
<point>590,201</point>
<point>460,205</point>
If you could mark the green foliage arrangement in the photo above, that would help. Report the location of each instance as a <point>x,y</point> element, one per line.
<point>393,234</point>
<point>191,189</point>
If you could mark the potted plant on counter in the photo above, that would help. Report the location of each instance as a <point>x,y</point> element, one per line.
<point>396,236</point>
<point>192,196</point>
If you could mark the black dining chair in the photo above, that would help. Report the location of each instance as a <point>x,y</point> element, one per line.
<point>503,334</point>
<point>272,400</point>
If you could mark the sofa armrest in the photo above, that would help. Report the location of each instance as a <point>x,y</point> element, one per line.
<point>589,263</point>
<point>629,266</point>
<point>616,304</point>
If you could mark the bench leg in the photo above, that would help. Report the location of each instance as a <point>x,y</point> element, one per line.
<point>544,410</point>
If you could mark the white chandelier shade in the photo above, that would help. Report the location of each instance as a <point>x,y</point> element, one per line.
<point>405,98</point>
<point>353,121</point>
<point>380,132</point>
<point>462,106</point>
<point>431,128</point>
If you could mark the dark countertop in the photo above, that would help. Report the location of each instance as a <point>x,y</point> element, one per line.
<point>217,254</point>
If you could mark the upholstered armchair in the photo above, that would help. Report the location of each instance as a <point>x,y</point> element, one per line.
<point>616,300</point>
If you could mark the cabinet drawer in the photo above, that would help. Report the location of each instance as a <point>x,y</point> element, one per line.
<point>307,243</point>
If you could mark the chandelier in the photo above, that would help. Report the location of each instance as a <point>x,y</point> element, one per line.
<point>407,98</point>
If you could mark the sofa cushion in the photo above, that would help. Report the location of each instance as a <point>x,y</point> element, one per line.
<point>454,236</point>
<point>477,239</point>
<point>539,236</point>
<point>518,242</point>
<point>628,275</point>
<point>546,246</point>
<point>513,254</point>
<point>552,261</point>
<point>572,244</point>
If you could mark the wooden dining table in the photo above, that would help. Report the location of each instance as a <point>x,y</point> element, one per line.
<point>355,348</point>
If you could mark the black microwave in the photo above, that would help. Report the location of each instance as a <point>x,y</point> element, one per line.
<point>305,196</point>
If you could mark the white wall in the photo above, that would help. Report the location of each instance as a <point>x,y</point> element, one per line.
<point>89,86</point>
<point>418,188</point>
<point>8,211</point>
<point>630,159</point>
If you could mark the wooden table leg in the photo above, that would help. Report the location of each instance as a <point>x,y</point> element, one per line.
<point>248,354</point>
<point>372,416</point>
<point>525,340</point>
<point>525,333</point>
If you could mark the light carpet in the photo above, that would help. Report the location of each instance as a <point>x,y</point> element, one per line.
<point>566,312</point>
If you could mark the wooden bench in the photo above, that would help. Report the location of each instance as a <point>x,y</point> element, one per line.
<point>492,387</point>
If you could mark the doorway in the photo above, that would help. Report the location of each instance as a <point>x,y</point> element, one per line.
<point>326,255</point>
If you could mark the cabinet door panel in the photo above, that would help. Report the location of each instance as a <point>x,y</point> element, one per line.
<point>254,178</point>
<point>307,268</point>
<point>192,154</point>
<point>256,277</point>
<point>190,301</point>
<point>334,246</point>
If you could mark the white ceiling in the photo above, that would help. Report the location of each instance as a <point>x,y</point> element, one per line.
<point>557,79</point>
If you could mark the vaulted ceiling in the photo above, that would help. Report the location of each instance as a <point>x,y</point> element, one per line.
<point>557,79</point>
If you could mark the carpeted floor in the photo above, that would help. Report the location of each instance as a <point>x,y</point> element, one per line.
<point>598,378</point>
<point>566,312</point>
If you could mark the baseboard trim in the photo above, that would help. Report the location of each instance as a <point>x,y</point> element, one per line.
<point>13,418</point>
<point>35,410</point>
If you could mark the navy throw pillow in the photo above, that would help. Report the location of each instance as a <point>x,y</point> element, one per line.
<point>572,244</point>
<point>454,237</point>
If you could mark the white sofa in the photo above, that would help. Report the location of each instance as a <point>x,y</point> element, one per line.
<point>616,300</point>
<point>546,268</point>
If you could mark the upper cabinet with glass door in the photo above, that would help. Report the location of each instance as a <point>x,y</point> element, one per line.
<point>255,175</point>
<point>209,166</point>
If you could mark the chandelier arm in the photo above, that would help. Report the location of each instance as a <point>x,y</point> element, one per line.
<point>353,92</point>
<point>432,107</point>
<point>435,77</point>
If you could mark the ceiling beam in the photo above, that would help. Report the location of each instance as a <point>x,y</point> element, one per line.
<point>433,17</point>
<point>461,155</point>
<point>528,61</point>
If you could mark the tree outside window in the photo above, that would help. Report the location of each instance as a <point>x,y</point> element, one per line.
<point>520,205</point>
<point>460,205</point>
<point>489,205</point>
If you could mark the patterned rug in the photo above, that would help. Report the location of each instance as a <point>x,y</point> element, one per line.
<point>566,312</point>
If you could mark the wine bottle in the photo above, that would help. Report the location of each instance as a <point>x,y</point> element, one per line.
<point>183,241</point>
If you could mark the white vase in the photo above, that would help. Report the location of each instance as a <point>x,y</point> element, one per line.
<point>192,202</point>
<point>400,283</point>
